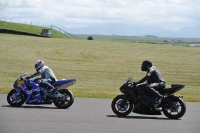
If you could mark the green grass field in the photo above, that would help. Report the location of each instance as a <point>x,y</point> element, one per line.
<point>29,28</point>
<point>99,66</point>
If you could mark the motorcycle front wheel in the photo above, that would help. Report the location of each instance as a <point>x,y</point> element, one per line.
<point>16,99</point>
<point>121,105</point>
<point>176,109</point>
<point>63,104</point>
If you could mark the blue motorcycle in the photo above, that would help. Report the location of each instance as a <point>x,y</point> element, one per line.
<point>29,92</point>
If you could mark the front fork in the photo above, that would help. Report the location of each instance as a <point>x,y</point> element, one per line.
<point>125,101</point>
<point>16,95</point>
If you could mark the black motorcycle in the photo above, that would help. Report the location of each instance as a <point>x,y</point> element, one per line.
<point>135,99</point>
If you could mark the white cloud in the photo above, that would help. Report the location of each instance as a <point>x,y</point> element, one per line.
<point>170,14</point>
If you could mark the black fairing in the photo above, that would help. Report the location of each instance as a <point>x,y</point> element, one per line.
<point>147,111</point>
<point>172,98</point>
<point>174,88</point>
<point>128,90</point>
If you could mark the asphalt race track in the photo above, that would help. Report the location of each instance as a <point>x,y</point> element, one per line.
<point>90,115</point>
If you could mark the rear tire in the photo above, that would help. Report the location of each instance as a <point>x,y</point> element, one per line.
<point>16,100</point>
<point>121,105</point>
<point>176,110</point>
<point>68,102</point>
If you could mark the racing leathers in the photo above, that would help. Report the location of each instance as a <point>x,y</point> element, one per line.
<point>155,81</point>
<point>47,77</point>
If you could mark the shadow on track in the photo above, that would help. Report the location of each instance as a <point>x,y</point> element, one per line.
<point>31,106</point>
<point>140,117</point>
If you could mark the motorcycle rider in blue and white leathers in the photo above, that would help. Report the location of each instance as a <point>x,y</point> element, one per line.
<point>47,76</point>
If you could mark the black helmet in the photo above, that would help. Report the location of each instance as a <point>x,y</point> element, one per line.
<point>145,65</point>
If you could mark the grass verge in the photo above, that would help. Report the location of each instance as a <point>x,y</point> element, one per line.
<point>99,66</point>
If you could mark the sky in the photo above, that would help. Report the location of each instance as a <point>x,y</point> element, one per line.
<point>168,14</point>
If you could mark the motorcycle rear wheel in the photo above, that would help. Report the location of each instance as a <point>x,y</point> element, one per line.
<point>14,100</point>
<point>68,102</point>
<point>121,105</point>
<point>176,110</point>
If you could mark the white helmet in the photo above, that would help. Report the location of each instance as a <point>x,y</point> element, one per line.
<point>39,64</point>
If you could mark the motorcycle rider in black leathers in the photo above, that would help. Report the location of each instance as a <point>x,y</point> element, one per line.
<point>155,81</point>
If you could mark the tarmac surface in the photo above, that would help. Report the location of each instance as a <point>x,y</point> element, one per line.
<point>91,115</point>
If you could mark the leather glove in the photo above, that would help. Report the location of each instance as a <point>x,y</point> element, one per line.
<point>135,83</point>
<point>28,77</point>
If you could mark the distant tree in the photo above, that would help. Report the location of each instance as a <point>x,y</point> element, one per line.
<point>90,38</point>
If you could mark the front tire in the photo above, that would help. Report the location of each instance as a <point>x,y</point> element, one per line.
<point>68,102</point>
<point>176,109</point>
<point>16,100</point>
<point>121,105</point>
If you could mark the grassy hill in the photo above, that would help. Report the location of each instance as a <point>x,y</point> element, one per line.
<point>29,28</point>
<point>100,66</point>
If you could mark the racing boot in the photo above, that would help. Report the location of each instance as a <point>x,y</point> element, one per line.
<point>157,95</point>
<point>46,85</point>
<point>51,89</point>
<point>158,99</point>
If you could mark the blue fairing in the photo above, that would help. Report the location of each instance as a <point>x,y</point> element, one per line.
<point>36,80</point>
<point>63,81</point>
<point>34,94</point>
<point>16,89</point>
<point>57,83</point>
